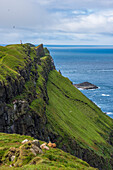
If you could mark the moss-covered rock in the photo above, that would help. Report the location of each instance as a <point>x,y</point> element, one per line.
<point>28,155</point>
<point>18,157</point>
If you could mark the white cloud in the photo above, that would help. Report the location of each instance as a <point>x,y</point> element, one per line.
<point>75,4</point>
<point>56,21</point>
<point>110,19</point>
<point>79,12</point>
<point>22,14</point>
<point>97,22</point>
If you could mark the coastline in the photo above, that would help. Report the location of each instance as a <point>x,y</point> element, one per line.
<point>92,64</point>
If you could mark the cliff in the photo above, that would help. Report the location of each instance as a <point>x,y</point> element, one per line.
<point>38,101</point>
<point>22,69</point>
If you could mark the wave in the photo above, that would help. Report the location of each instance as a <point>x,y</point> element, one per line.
<point>109,113</point>
<point>71,72</point>
<point>104,70</point>
<point>80,89</point>
<point>97,104</point>
<point>105,95</point>
<point>91,89</point>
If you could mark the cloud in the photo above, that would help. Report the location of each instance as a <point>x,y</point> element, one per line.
<point>56,21</point>
<point>23,14</point>
<point>75,4</point>
<point>80,12</point>
<point>85,22</point>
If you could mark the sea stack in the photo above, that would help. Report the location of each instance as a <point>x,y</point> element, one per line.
<point>86,86</point>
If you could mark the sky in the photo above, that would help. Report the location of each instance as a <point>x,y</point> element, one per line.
<point>71,22</point>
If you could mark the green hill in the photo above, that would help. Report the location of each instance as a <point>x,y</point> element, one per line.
<point>73,117</point>
<point>11,147</point>
<point>37,100</point>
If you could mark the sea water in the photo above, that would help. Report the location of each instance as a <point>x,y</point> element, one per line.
<point>93,64</point>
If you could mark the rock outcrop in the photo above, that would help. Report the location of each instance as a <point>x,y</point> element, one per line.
<point>19,156</point>
<point>86,86</point>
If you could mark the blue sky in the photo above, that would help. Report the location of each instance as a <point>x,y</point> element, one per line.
<point>75,22</point>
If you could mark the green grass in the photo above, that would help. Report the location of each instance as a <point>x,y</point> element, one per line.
<point>50,159</point>
<point>70,113</point>
<point>38,105</point>
<point>14,140</point>
<point>14,58</point>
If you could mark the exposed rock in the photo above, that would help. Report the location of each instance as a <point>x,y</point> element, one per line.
<point>36,142</point>
<point>32,150</point>
<point>36,149</point>
<point>12,158</point>
<point>86,86</point>
<point>40,50</point>
<point>60,72</point>
<point>11,154</point>
<point>13,149</point>
<point>24,141</point>
<point>19,156</point>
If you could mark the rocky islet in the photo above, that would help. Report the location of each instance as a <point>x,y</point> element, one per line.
<point>86,86</point>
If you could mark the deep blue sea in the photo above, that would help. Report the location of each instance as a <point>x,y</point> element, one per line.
<point>88,63</point>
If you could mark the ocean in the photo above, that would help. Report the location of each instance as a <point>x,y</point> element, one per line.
<point>88,63</point>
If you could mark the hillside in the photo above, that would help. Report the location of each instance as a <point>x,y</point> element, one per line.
<point>16,155</point>
<point>81,128</point>
<point>38,101</point>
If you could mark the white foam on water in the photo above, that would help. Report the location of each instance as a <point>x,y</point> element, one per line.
<point>97,104</point>
<point>104,70</point>
<point>105,95</point>
<point>80,89</point>
<point>91,89</point>
<point>109,113</point>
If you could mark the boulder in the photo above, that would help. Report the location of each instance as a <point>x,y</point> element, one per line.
<point>22,155</point>
<point>12,158</point>
<point>86,86</point>
<point>36,142</point>
<point>24,141</point>
<point>36,149</point>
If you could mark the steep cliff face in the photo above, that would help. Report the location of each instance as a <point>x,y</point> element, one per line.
<point>22,88</point>
<point>38,101</point>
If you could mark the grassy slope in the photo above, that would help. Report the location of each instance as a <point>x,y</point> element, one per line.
<point>70,113</point>
<point>12,59</point>
<point>50,159</point>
